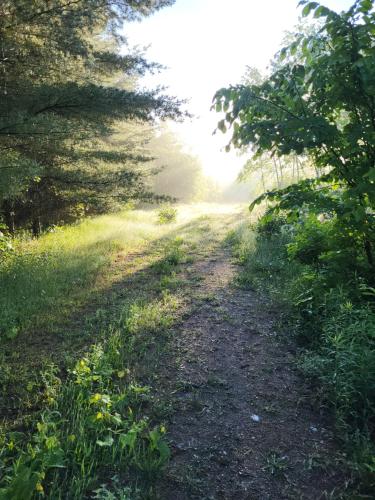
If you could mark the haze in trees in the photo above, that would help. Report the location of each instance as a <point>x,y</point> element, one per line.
<point>306,105</point>
<point>64,92</point>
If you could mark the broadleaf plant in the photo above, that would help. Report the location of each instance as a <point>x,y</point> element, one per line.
<point>318,101</point>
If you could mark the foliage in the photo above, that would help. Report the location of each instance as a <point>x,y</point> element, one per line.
<point>66,96</point>
<point>309,266</point>
<point>41,280</point>
<point>317,101</point>
<point>167,214</point>
<point>92,425</point>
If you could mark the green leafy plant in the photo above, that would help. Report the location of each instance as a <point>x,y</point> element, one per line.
<point>306,106</point>
<point>167,214</point>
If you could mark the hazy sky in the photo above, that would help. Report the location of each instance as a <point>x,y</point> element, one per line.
<point>206,44</point>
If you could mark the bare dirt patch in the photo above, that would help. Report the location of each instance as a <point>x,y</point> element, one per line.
<point>242,426</point>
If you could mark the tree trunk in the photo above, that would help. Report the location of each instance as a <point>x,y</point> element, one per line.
<point>369,254</point>
<point>36,227</point>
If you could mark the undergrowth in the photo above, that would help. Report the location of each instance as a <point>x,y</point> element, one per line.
<point>43,279</point>
<point>90,426</point>
<point>93,424</point>
<point>313,270</point>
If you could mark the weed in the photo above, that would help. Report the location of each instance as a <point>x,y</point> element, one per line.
<point>167,214</point>
<point>310,269</point>
<point>276,464</point>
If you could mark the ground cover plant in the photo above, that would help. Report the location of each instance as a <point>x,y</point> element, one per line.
<point>329,309</point>
<point>59,269</point>
<point>314,245</point>
<point>86,426</point>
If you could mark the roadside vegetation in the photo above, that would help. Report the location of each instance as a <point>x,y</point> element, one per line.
<point>329,310</point>
<point>313,249</point>
<point>91,289</point>
<point>46,278</point>
<point>80,418</point>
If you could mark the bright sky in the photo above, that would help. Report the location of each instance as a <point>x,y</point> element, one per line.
<point>207,44</point>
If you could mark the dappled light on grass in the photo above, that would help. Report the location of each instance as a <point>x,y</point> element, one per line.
<point>46,278</point>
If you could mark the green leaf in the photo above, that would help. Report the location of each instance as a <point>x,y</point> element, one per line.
<point>365,6</point>
<point>308,8</point>
<point>321,11</point>
<point>221,126</point>
<point>107,441</point>
<point>128,440</point>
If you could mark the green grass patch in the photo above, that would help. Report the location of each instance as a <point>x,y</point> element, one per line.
<point>330,310</point>
<point>89,428</point>
<point>43,279</point>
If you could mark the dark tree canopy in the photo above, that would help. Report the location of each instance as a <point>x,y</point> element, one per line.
<point>64,90</point>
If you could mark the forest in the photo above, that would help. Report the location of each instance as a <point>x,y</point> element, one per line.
<point>163,336</point>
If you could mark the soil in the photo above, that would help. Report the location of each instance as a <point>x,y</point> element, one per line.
<point>243,425</point>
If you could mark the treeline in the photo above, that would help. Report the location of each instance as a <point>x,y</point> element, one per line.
<point>73,122</point>
<point>179,173</point>
<point>315,244</point>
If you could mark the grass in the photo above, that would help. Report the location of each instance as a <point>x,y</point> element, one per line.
<point>43,280</point>
<point>46,278</point>
<point>89,425</point>
<point>93,425</point>
<point>335,335</point>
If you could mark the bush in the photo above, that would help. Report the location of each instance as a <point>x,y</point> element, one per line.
<point>317,271</point>
<point>167,214</point>
<point>271,224</point>
<point>311,239</point>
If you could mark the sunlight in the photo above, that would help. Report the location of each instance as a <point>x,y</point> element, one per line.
<point>212,54</point>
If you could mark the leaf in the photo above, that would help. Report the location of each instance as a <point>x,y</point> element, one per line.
<point>128,440</point>
<point>365,6</point>
<point>321,11</point>
<point>108,441</point>
<point>221,126</point>
<point>308,8</point>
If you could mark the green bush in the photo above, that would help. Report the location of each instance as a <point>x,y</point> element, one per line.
<point>167,214</point>
<point>316,271</point>
<point>271,224</point>
<point>310,240</point>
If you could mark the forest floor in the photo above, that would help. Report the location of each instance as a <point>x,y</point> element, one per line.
<point>241,424</point>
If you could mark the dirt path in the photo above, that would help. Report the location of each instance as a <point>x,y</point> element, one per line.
<point>242,427</point>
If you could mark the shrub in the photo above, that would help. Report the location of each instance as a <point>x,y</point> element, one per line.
<point>167,214</point>
<point>317,271</point>
<point>311,239</point>
<point>271,224</point>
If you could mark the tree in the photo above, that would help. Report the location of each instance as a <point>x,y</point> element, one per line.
<point>179,172</point>
<point>321,103</point>
<point>64,90</point>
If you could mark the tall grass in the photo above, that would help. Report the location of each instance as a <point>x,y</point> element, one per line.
<point>91,433</point>
<point>46,277</point>
<point>333,322</point>
<point>93,439</point>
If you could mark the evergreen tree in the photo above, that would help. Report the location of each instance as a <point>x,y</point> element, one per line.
<point>65,89</point>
